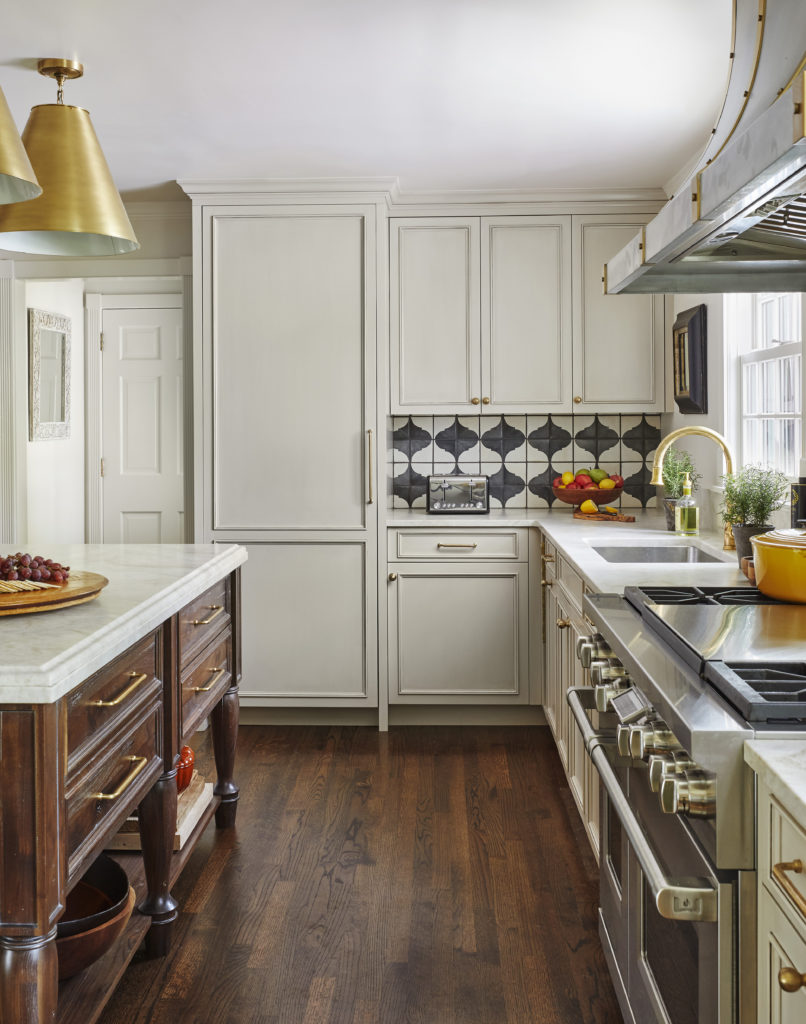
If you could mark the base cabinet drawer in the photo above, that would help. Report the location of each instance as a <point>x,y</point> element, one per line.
<point>204,684</point>
<point>448,543</point>
<point>458,633</point>
<point>202,619</point>
<point>780,947</point>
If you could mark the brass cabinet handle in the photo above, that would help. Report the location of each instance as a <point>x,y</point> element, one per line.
<point>216,609</point>
<point>546,583</point>
<point>563,623</point>
<point>577,399</point>
<point>790,979</point>
<point>371,497</point>
<point>139,764</point>
<point>219,672</point>
<point>392,577</point>
<point>136,680</point>
<point>446,545</point>
<point>474,401</point>
<point>779,874</point>
<point>546,558</point>
<point>485,401</point>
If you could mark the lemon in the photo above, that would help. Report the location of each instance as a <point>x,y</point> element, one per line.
<point>607,484</point>
<point>588,506</point>
<point>568,477</point>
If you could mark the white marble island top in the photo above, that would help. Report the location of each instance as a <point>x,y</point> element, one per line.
<point>781,766</point>
<point>577,540</point>
<point>44,655</point>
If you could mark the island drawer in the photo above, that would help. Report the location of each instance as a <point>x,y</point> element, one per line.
<point>102,703</point>
<point>204,685</point>
<point>202,619</point>
<point>496,543</point>
<point>781,855</point>
<point>106,791</point>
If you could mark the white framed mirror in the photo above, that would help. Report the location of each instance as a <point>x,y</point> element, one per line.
<point>48,375</point>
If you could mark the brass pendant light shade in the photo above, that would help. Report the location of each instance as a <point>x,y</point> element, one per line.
<point>80,212</point>
<point>17,179</point>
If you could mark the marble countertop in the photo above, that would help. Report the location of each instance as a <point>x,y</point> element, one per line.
<point>781,765</point>
<point>45,654</point>
<point>577,540</point>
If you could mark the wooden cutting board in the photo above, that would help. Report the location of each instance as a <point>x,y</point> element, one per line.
<point>79,588</point>
<point>602,517</point>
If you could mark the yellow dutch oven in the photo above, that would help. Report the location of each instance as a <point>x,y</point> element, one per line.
<point>779,559</point>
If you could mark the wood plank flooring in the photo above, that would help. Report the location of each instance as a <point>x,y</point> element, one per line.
<point>429,875</point>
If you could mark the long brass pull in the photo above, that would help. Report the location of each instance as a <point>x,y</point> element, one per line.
<point>790,979</point>
<point>441,545</point>
<point>371,497</point>
<point>546,558</point>
<point>563,623</point>
<point>779,874</point>
<point>219,672</point>
<point>139,765</point>
<point>216,609</point>
<point>136,679</point>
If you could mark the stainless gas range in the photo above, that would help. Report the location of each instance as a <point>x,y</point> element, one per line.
<point>681,678</point>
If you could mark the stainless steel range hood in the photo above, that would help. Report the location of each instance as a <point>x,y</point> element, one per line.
<point>739,223</point>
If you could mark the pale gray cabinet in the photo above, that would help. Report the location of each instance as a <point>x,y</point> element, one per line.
<point>286,380</point>
<point>480,314</point>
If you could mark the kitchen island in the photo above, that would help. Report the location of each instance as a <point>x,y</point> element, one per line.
<point>95,703</point>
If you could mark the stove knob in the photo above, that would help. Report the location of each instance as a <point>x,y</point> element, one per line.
<point>623,740</point>
<point>591,647</point>
<point>663,765</point>
<point>652,738</point>
<point>691,792</point>
<point>606,670</point>
<point>604,692</point>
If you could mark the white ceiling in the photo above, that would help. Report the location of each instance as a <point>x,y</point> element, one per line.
<point>444,94</point>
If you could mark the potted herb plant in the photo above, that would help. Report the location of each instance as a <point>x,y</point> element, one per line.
<point>675,466</point>
<point>751,496</point>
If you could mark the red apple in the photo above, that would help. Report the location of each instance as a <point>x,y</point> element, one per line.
<point>583,479</point>
<point>557,481</point>
<point>591,487</point>
<point>617,480</point>
<point>573,486</point>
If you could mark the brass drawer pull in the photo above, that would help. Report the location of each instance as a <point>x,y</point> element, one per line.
<point>136,680</point>
<point>216,609</point>
<point>563,623</point>
<point>219,672</point>
<point>546,558</point>
<point>441,545</point>
<point>790,979</point>
<point>779,874</point>
<point>546,583</point>
<point>139,764</point>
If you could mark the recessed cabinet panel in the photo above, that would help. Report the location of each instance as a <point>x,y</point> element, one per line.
<point>780,945</point>
<point>526,312</point>
<point>458,634</point>
<point>305,624</point>
<point>434,269</point>
<point>289,432</point>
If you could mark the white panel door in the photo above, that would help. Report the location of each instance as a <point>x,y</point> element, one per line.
<point>459,634</point>
<point>526,313</point>
<point>142,397</point>
<point>434,314</point>
<point>289,432</point>
<point>618,339</point>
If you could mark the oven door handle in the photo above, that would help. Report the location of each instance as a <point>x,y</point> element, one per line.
<point>675,900</point>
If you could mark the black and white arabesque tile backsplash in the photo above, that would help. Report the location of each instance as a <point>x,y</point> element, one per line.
<point>522,454</point>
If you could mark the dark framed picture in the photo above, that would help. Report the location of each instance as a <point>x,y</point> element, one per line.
<point>689,352</point>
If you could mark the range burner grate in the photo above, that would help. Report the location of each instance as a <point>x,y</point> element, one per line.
<point>762,694</point>
<point>639,597</point>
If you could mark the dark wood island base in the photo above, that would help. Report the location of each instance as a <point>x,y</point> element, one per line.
<point>71,771</point>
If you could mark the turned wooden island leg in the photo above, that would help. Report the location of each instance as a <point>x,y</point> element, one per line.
<point>224,724</point>
<point>29,979</point>
<point>157,827</point>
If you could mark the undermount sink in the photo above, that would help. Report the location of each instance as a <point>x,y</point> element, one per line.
<point>658,553</point>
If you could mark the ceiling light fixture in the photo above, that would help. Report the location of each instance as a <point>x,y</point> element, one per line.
<point>17,179</point>
<point>80,212</point>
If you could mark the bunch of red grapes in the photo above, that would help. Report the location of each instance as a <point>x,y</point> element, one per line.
<point>34,568</point>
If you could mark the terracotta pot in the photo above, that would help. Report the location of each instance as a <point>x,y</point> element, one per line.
<point>779,558</point>
<point>741,535</point>
<point>184,768</point>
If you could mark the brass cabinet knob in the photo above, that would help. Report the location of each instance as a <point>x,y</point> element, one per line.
<point>485,401</point>
<point>392,577</point>
<point>474,401</point>
<point>791,980</point>
<point>563,623</point>
<point>546,583</point>
<point>577,399</point>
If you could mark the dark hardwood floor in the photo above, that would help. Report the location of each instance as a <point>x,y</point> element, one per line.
<point>428,875</point>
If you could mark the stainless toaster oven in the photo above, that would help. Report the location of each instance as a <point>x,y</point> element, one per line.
<point>458,494</point>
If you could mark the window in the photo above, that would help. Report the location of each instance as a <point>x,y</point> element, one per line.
<point>768,377</point>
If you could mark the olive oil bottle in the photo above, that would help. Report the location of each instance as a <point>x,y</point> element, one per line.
<point>686,512</point>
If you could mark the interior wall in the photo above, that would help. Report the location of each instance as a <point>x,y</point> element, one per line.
<point>55,469</point>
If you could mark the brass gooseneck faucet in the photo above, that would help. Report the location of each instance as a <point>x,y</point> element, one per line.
<point>669,440</point>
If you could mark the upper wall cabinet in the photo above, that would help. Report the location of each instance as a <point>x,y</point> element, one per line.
<point>480,314</point>
<point>508,315</point>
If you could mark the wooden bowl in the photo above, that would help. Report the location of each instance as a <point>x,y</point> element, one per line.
<point>597,496</point>
<point>97,911</point>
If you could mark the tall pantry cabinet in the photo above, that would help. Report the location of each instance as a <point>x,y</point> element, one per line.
<point>286,439</point>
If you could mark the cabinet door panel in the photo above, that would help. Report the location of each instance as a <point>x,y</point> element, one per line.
<point>434,305</point>
<point>288,379</point>
<point>459,634</point>
<point>780,945</point>
<point>526,312</point>
<point>305,624</point>
<point>618,339</point>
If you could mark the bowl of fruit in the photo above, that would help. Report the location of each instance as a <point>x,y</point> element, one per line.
<point>594,485</point>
